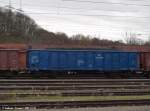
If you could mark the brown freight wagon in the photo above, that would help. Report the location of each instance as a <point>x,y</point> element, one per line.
<point>12,60</point>
<point>137,48</point>
<point>13,46</point>
<point>145,61</point>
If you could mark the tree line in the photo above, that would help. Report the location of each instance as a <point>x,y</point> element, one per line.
<point>15,27</point>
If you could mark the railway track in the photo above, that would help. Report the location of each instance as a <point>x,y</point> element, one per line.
<point>75,87</point>
<point>74,84</point>
<point>84,87</point>
<point>71,80</point>
<point>97,83</point>
<point>63,88</point>
<point>78,93</point>
<point>72,104</point>
<point>59,75</point>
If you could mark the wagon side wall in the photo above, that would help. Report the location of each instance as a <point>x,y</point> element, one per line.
<point>12,60</point>
<point>145,61</point>
<point>82,60</point>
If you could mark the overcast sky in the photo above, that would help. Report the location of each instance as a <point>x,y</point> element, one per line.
<point>100,18</point>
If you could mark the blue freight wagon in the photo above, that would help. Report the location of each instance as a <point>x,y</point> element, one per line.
<point>82,60</point>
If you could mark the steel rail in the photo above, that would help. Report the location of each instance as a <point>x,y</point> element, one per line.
<point>73,104</point>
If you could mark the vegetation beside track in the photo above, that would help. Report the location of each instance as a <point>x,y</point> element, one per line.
<point>14,98</point>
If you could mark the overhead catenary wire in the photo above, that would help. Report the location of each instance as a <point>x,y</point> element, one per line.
<point>100,25</point>
<point>95,2</point>
<point>97,28</point>
<point>55,14</point>
<point>83,15</point>
<point>110,3</point>
<point>71,8</point>
<point>109,26</point>
<point>99,32</point>
<point>97,15</point>
<point>74,8</point>
<point>86,14</point>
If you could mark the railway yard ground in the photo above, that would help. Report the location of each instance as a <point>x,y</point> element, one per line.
<point>74,93</point>
<point>126,108</point>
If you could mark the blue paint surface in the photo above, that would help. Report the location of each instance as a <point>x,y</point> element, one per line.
<point>82,60</point>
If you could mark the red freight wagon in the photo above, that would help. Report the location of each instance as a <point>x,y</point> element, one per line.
<point>137,48</point>
<point>12,59</point>
<point>145,61</point>
<point>13,46</point>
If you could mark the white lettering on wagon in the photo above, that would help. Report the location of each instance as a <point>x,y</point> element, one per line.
<point>99,56</point>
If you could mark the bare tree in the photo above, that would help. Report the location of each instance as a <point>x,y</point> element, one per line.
<point>132,39</point>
